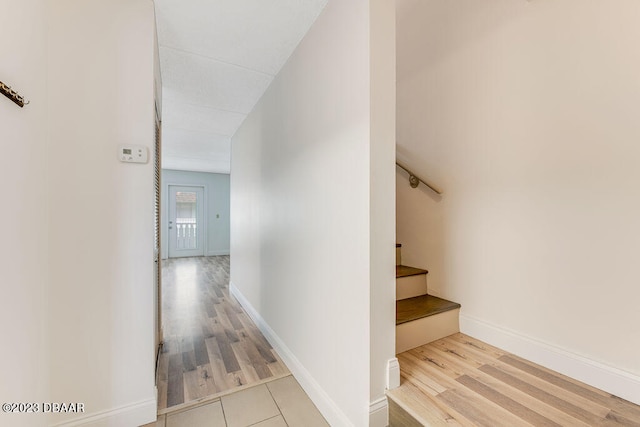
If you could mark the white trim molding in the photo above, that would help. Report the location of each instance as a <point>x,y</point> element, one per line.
<point>135,414</point>
<point>393,373</point>
<point>379,412</point>
<point>612,380</point>
<point>324,403</point>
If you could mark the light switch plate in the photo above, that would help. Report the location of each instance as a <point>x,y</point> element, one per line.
<point>129,153</point>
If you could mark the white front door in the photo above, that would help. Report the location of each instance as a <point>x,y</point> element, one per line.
<point>186,221</point>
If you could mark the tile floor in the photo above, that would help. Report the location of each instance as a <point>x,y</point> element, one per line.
<point>278,403</point>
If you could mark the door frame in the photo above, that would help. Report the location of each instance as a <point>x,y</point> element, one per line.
<point>157,255</point>
<point>205,217</point>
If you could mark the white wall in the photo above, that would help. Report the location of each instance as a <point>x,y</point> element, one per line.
<point>301,199</point>
<point>382,312</point>
<point>217,203</point>
<point>525,113</point>
<point>101,94</point>
<point>23,172</point>
<point>78,305</point>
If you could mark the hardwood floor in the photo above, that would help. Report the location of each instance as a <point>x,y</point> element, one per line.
<point>211,346</point>
<point>462,381</point>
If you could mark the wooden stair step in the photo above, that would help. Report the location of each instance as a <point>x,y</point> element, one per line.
<point>410,282</point>
<point>406,271</point>
<point>412,406</point>
<point>421,306</point>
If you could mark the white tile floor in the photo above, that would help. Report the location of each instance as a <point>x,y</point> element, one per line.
<point>278,403</point>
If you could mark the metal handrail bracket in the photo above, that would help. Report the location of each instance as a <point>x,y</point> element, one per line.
<point>415,180</point>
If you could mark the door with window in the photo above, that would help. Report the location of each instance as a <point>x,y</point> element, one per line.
<point>186,221</point>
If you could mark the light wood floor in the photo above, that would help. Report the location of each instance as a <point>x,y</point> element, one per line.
<point>211,346</point>
<point>462,381</point>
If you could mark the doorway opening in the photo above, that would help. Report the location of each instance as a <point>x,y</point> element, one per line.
<point>186,221</point>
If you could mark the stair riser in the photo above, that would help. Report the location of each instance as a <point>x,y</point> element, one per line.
<point>411,286</point>
<point>422,331</point>
<point>398,256</point>
<point>399,417</point>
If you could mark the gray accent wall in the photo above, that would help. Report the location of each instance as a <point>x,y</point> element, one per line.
<point>216,207</point>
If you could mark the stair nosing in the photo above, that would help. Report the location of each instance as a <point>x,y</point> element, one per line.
<point>451,306</point>
<point>405,407</point>
<point>416,272</point>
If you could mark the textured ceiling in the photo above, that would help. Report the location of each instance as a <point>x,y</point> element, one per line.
<point>217,57</point>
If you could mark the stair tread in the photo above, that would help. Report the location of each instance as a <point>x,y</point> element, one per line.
<point>421,306</point>
<point>405,271</point>
<point>398,245</point>
<point>414,407</point>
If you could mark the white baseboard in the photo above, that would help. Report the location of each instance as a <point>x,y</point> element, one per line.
<point>612,380</point>
<point>218,252</point>
<point>327,407</point>
<point>379,413</point>
<point>135,414</point>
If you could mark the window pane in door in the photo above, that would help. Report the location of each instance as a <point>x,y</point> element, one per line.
<point>186,220</point>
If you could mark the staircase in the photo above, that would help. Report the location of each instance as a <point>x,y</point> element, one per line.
<point>420,318</point>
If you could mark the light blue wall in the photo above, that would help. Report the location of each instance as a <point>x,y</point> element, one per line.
<point>217,203</point>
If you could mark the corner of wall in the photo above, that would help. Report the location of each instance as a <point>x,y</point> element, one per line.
<point>328,408</point>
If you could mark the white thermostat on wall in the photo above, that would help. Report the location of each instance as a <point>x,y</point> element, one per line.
<point>133,153</point>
